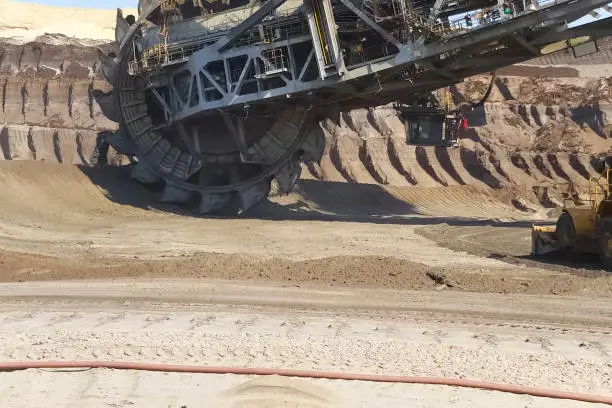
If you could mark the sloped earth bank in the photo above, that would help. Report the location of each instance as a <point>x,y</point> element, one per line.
<point>530,148</point>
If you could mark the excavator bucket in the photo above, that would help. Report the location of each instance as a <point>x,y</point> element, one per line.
<point>543,240</point>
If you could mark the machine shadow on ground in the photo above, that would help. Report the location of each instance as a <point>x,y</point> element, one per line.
<point>313,201</point>
<point>341,202</point>
<point>588,264</point>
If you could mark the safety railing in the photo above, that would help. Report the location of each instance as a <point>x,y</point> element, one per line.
<point>484,17</point>
<point>414,14</point>
<point>275,62</point>
<point>161,55</point>
<point>597,191</point>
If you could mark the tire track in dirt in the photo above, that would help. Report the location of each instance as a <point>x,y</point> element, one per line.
<point>468,201</point>
<point>535,342</point>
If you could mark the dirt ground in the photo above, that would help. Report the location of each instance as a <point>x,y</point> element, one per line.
<point>103,229</point>
<point>547,341</point>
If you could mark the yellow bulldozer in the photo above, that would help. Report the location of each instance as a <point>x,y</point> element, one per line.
<point>584,228</point>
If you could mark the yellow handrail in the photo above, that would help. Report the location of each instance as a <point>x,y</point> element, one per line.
<point>596,190</point>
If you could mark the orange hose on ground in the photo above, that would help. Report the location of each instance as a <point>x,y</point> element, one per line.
<point>455,382</point>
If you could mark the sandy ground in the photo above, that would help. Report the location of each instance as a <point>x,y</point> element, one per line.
<point>563,343</point>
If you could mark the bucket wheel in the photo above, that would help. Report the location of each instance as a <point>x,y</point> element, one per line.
<point>226,160</point>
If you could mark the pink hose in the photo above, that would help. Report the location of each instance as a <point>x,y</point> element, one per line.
<point>456,382</point>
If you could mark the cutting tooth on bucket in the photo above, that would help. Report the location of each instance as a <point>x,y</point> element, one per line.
<point>288,177</point>
<point>211,202</point>
<point>122,27</point>
<point>253,195</point>
<point>108,105</point>
<point>120,142</point>
<point>175,195</point>
<point>109,67</point>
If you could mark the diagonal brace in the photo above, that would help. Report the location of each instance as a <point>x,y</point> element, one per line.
<point>523,42</point>
<point>436,9</point>
<point>359,13</point>
<point>229,39</point>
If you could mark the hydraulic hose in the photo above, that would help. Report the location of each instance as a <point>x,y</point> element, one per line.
<point>455,382</point>
<point>485,97</point>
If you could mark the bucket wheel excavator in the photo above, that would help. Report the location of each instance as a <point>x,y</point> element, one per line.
<point>215,100</point>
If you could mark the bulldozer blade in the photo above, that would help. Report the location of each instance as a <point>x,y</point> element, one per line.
<point>543,240</point>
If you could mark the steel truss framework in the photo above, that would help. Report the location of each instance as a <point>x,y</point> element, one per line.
<point>221,76</point>
<point>221,113</point>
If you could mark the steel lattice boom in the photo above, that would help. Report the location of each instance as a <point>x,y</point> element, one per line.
<point>217,99</point>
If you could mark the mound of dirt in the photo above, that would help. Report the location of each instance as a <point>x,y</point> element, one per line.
<point>355,272</point>
<point>561,136</point>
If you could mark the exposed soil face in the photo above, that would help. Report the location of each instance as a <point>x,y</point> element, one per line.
<point>535,133</point>
<point>48,114</point>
